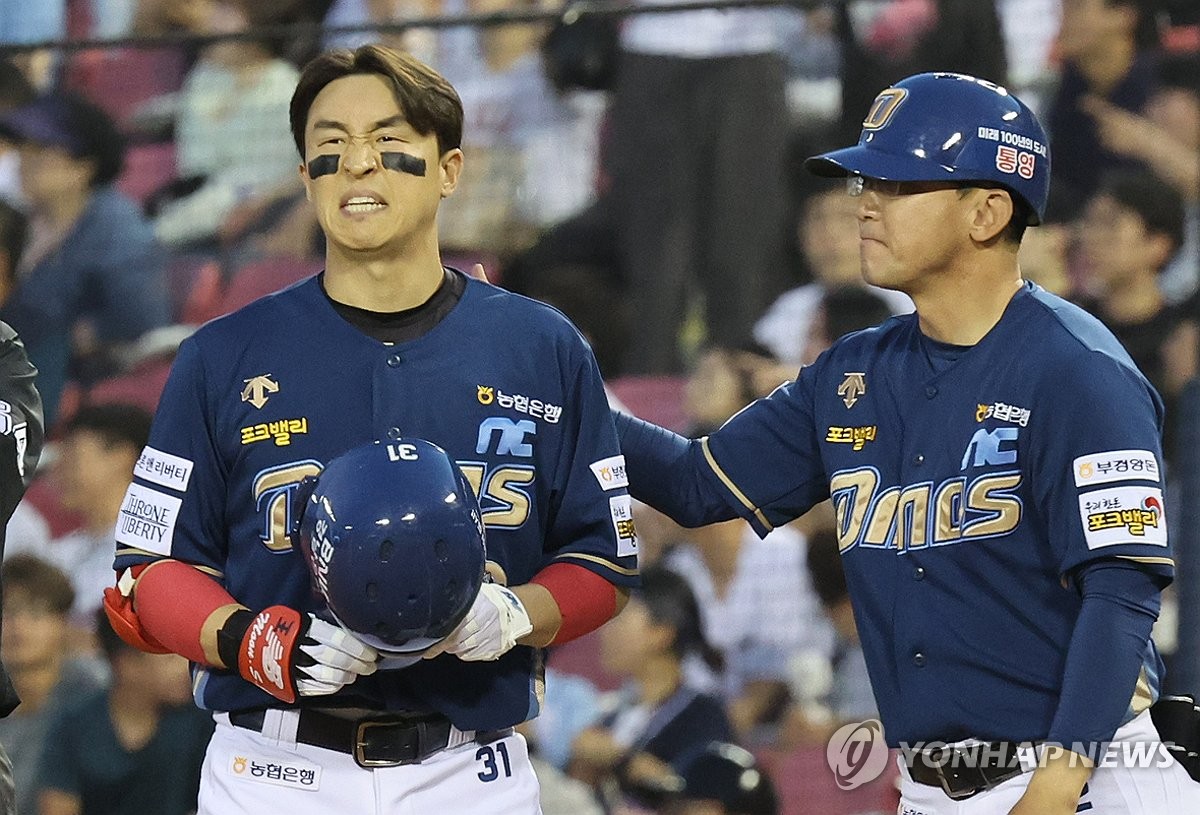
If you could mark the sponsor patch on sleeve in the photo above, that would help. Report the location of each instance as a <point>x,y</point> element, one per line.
<point>1115,465</point>
<point>1123,515</point>
<point>163,469</point>
<point>147,519</point>
<point>621,507</point>
<point>610,472</point>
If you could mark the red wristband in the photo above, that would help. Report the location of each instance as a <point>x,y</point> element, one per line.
<point>585,600</point>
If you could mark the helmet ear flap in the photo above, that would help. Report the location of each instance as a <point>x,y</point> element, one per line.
<point>304,492</point>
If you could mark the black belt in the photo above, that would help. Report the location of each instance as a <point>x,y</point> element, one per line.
<point>963,771</point>
<point>379,740</point>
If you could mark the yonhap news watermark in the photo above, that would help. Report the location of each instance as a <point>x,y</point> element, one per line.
<point>857,754</point>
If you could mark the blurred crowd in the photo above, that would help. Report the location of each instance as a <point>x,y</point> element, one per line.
<point>643,175</point>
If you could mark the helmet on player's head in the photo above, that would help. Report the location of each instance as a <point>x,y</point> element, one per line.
<point>949,127</point>
<point>394,542</point>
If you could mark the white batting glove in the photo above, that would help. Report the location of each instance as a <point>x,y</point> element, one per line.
<point>333,659</point>
<point>493,625</point>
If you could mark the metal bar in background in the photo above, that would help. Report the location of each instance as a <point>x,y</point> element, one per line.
<point>569,13</point>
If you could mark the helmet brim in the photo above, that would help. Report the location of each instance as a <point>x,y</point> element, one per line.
<point>860,160</point>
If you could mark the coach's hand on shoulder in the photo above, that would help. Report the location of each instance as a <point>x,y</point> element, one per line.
<point>290,654</point>
<point>496,621</point>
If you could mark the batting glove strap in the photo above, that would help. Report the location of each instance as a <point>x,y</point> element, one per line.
<point>289,654</point>
<point>496,621</point>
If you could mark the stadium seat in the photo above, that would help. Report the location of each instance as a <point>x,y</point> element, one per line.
<point>148,167</point>
<point>261,277</point>
<point>805,784</point>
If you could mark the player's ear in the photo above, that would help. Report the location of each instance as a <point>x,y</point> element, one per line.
<point>305,180</point>
<point>449,169</point>
<point>991,210</point>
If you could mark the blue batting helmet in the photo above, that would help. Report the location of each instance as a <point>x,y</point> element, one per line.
<point>394,542</point>
<point>949,127</point>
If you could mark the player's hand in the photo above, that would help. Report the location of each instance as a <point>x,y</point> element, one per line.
<point>1056,785</point>
<point>289,654</point>
<point>496,621</point>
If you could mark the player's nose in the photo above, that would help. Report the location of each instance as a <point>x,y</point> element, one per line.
<point>359,159</point>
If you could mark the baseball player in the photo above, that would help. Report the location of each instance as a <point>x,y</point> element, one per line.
<point>995,466</point>
<point>383,345</point>
<point>21,435</point>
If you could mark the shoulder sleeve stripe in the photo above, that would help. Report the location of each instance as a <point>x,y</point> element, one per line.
<point>1143,694</point>
<point>131,551</point>
<point>593,559</point>
<point>733,488</point>
<point>1158,561</point>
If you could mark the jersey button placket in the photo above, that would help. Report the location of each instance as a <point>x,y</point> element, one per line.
<point>918,573</point>
<point>394,433</point>
<point>918,659</point>
<point>930,391</point>
<point>395,360</point>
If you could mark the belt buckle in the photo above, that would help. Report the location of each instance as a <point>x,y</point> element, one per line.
<point>952,756</point>
<point>361,744</point>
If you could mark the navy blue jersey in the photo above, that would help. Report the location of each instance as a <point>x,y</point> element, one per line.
<point>260,399</point>
<point>965,480</point>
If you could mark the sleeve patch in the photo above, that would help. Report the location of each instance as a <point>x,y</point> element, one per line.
<point>610,472</point>
<point>1115,465</point>
<point>621,507</point>
<point>163,469</point>
<point>1123,515</point>
<point>147,519</point>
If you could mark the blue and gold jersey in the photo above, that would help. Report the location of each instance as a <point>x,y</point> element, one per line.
<point>261,398</point>
<point>964,479</point>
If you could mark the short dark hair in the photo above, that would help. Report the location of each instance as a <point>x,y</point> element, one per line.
<point>107,638</point>
<point>1145,30</point>
<point>428,100</point>
<point>15,88</point>
<point>14,227</point>
<point>852,308</point>
<point>670,600</point>
<point>38,578</point>
<point>824,561</point>
<point>117,423</point>
<point>1179,71</point>
<point>1157,202</point>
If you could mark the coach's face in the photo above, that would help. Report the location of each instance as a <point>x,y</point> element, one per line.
<point>363,207</point>
<point>912,234</point>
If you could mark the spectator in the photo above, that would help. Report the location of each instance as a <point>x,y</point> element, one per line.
<point>15,91</point>
<point>47,674</point>
<point>1165,138</point>
<point>842,310</point>
<point>886,39</point>
<point>658,719</point>
<point>99,448</point>
<point>13,227</point>
<point>723,380</point>
<point>1130,230</point>
<point>697,151</point>
<point>828,693</point>
<point>91,278</point>
<point>1106,48</point>
<point>24,23</point>
<point>531,151</point>
<point>758,610</point>
<point>234,147</point>
<point>132,750</point>
<point>827,235</point>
